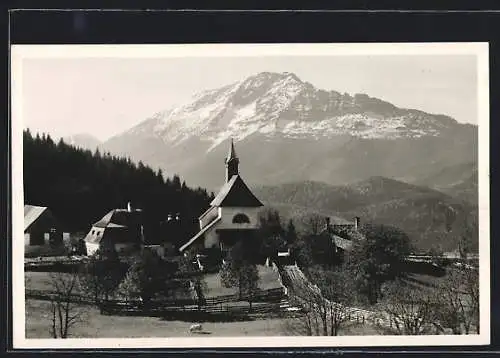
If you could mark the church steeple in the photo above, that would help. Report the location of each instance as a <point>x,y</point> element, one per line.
<point>232,163</point>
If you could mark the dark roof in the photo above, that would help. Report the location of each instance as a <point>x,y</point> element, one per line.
<point>120,218</point>
<point>236,193</point>
<point>31,214</point>
<point>121,225</point>
<point>349,233</point>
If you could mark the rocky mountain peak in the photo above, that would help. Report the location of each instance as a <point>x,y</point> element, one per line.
<point>281,104</point>
<point>275,114</point>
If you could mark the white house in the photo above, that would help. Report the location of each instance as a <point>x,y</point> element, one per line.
<point>120,230</point>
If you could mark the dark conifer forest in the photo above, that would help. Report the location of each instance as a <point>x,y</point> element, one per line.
<point>80,187</point>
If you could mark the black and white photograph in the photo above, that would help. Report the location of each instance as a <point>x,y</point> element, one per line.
<point>250,195</point>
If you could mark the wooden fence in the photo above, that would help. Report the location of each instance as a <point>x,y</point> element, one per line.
<point>135,309</point>
<point>52,295</point>
<point>271,295</point>
<point>262,302</point>
<point>297,281</point>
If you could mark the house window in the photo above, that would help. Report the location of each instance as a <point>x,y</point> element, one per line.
<point>241,219</point>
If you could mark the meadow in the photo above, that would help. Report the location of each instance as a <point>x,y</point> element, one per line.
<point>95,325</point>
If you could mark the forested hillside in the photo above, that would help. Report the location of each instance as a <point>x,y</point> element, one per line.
<point>80,187</point>
<point>432,219</point>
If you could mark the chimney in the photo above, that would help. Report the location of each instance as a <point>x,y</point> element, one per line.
<point>129,207</point>
<point>327,226</point>
<point>356,222</point>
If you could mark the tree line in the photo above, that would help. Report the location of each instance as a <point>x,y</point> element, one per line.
<point>81,186</point>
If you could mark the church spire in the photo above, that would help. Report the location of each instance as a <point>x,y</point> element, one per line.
<point>232,162</point>
<point>232,152</point>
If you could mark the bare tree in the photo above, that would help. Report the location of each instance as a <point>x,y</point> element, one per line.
<point>324,304</point>
<point>411,310</point>
<point>471,287</point>
<point>101,275</point>
<point>458,300</point>
<point>65,313</point>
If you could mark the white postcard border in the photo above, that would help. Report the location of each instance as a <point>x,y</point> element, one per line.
<point>21,52</point>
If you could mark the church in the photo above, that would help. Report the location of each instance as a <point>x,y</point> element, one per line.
<point>232,216</point>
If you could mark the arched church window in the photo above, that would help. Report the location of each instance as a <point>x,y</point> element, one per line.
<point>241,219</point>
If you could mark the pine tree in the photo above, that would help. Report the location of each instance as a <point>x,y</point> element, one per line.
<point>90,184</point>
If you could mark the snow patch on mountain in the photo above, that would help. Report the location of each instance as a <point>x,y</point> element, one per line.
<point>273,104</point>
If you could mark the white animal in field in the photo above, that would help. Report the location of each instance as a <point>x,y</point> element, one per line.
<point>195,328</point>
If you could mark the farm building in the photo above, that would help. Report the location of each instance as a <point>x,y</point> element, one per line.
<point>232,216</point>
<point>41,228</point>
<point>120,230</point>
<point>339,234</point>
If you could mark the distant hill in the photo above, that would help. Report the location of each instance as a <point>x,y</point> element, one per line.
<point>301,215</point>
<point>431,218</point>
<point>467,189</point>
<point>456,180</point>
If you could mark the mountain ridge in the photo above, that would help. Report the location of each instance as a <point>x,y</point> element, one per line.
<point>313,134</point>
<point>292,106</point>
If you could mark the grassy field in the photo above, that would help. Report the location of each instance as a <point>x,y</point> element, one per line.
<point>95,325</point>
<point>268,279</point>
<point>99,326</point>
<point>39,280</point>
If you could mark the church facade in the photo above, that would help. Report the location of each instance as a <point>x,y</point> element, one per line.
<point>233,214</point>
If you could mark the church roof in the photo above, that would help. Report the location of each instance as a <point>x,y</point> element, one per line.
<point>236,193</point>
<point>232,153</point>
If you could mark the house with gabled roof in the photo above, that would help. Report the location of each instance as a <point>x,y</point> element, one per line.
<point>232,215</point>
<point>41,227</point>
<point>341,233</point>
<point>120,230</point>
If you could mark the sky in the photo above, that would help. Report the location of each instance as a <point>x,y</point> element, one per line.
<point>106,96</point>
